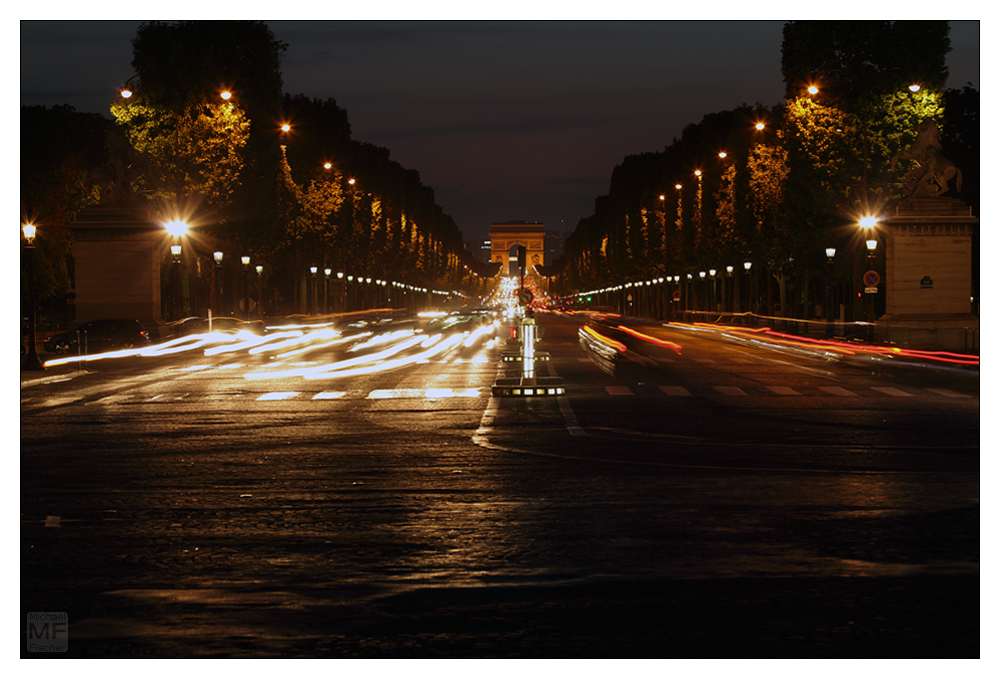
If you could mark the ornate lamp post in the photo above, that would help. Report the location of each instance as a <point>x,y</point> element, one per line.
<point>830,252</point>
<point>703,306</point>
<point>260,297</point>
<point>218,304</point>
<point>313,270</point>
<point>341,292</point>
<point>175,250</point>
<point>871,244</point>
<point>245,261</point>
<point>176,228</point>
<point>326,290</point>
<point>31,361</point>
<point>746,267</point>
<point>715,292</point>
<point>730,287</point>
<point>868,224</point>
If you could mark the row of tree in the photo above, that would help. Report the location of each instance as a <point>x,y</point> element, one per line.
<point>778,185</point>
<point>205,133</point>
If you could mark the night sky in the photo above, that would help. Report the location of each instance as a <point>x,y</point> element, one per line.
<point>504,120</point>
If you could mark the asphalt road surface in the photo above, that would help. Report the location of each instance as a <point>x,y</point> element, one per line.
<point>713,498</point>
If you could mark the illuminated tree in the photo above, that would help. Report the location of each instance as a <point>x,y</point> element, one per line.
<point>192,156</point>
<point>874,82</point>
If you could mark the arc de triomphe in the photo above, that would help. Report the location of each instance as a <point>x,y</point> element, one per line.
<point>506,235</point>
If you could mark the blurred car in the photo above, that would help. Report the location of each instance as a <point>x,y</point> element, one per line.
<point>487,314</point>
<point>227,324</point>
<point>256,327</point>
<point>185,326</point>
<point>106,334</point>
<point>459,320</point>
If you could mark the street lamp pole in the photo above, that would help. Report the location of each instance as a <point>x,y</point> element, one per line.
<point>31,361</point>
<point>830,252</point>
<point>715,291</point>
<point>868,224</point>
<point>218,303</point>
<point>245,260</point>
<point>871,244</point>
<point>175,250</point>
<point>260,296</point>
<point>326,290</point>
<point>730,288</point>
<point>341,292</point>
<point>313,271</point>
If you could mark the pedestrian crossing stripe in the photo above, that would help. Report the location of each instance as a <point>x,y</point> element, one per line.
<point>892,391</point>
<point>277,396</point>
<point>947,392</point>
<point>424,393</point>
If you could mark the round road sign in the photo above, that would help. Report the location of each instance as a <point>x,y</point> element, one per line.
<point>871,278</point>
<point>524,296</point>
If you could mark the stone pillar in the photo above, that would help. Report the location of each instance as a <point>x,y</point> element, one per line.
<point>117,256</point>
<point>928,276</point>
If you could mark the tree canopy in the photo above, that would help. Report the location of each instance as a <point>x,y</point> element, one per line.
<point>784,190</point>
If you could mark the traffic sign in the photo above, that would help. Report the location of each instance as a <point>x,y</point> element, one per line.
<point>871,278</point>
<point>524,296</point>
<point>677,295</point>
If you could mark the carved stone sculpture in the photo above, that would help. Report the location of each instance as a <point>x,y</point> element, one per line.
<point>930,178</point>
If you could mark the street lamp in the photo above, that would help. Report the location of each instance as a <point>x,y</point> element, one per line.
<point>313,271</point>
<point>746,267</point>
<point>260,296</point>
<point>126,91</point>
<point>714,306</point>
<point>176,228</point>
<point>703,306</point>
<point>245,260</point>
<point>830,252</point>
<point>871,244</point>
<point>217,273</point>
<point>868,224</point>
<point>729,288</point>
<point>31,361</point>
<point>175,250</point>
<point>326,290</point>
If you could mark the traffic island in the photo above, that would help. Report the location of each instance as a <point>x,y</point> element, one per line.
<point>527,382</point>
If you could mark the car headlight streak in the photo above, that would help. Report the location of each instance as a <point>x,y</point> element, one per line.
<point>373,353</point>
<point>438,346</point>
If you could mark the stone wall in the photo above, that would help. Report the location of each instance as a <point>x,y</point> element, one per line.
<point>117,255</point>
<point>928,275</point>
